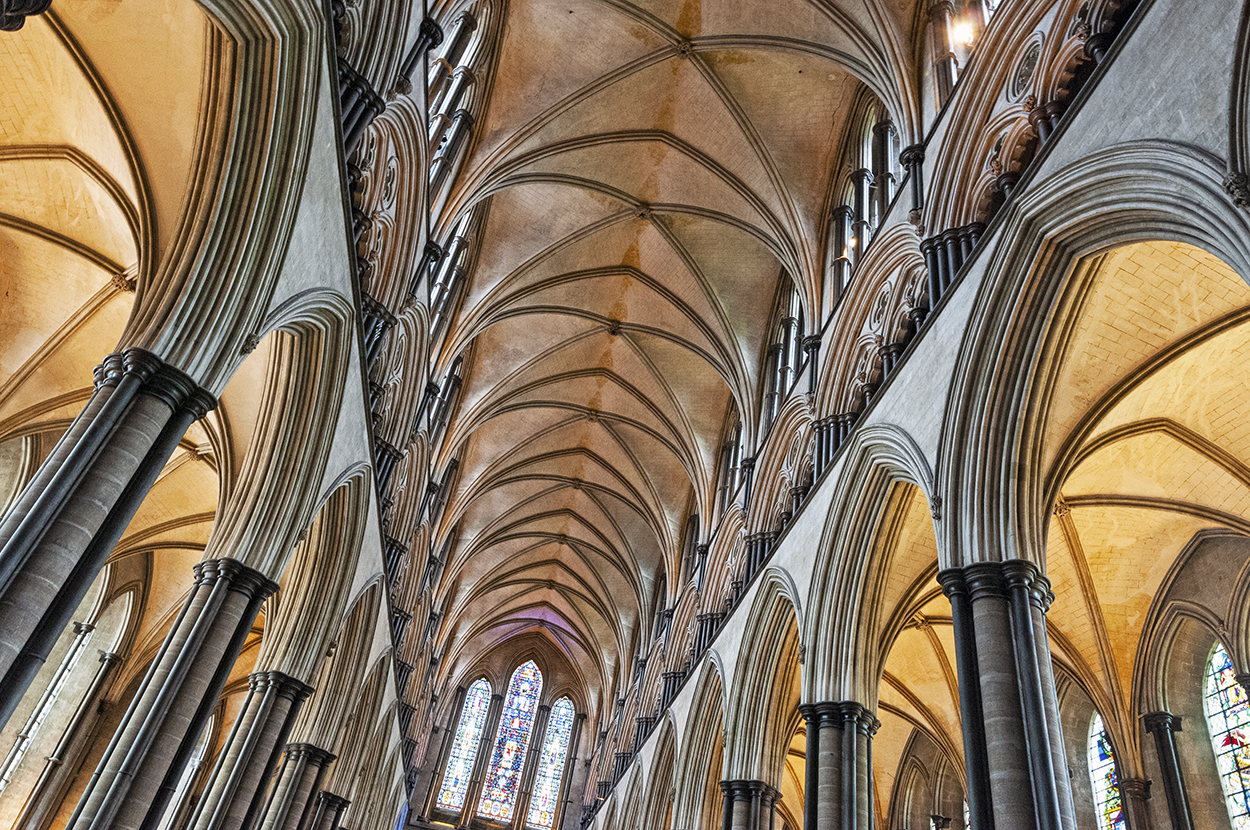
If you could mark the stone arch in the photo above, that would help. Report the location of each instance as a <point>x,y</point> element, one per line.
<point>767,683</point>
<point>1112,197</point>
<point>876,459</point>
<point>312,600</point>
<point>288,452</point>
<point>700,764</point>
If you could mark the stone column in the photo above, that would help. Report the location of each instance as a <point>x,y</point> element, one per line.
<point>882,178</point>
<point>232,796</point>
<point>532,757</point>
<point>980,809</point>
<point>1006,741</point>
<point>429,36</point>
<point>1135,792</point>
<point>290,804</point>
<point>912,159</point>
<point>861,228</point>
<point>1163,725</point>
<point>811,777</point>
<point>461,31</point>
<point>748,804</point>
<point>828,795</point>
<point>329,812</point>
<point>1022,735</point>
<point>57,536</point>
<point>141,766</point>
<point>858,727</point>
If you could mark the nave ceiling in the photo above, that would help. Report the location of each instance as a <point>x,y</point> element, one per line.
<point>648,178</point>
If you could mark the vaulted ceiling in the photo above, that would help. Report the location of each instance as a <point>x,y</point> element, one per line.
<point>651,175</point>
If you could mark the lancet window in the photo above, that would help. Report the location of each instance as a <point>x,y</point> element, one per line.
<point>544,801</point>
<point>511,742</point>
<point>1228,719</point>
<point>464,747</point>
<point>1102,775</point>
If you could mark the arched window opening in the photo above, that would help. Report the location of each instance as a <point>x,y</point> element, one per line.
<point>1228,718</point>
<point>730,467</point>
<point>508,758</point>
<point>785,354</point>
<point>178,801</point>
<point>1102,775</point>
<point>40,713</point>
<point>464,747</point>
<point>546,797</point>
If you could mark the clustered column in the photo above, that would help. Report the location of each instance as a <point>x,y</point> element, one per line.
<point>236,788</point>
<point>839,766</point>
<point>141,765</point>
<point>1012,739</point>
<point>291,801</point>
<point>58,534</point>
<point>749,805</point>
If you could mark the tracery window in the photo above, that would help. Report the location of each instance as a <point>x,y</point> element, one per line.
<point>464,747</point>
<point>508,758</point>
<point>543,802</point>
<point>1107,803</point>
<point>1228,718</point>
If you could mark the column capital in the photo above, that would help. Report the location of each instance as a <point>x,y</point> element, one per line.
<point>284,685</point>
<point>430,32</point>
<point>332,801</point>
<point>316,756</point>
<point>244,579</point>
<point>912,155</point>
<point>1136,787</point>
<point>1156,722</point>
<point>811,343</point>
<point>1023,573</point>
<point>109,659</point>
<point>857,716</point>
<point>985,579</point>
<point>81,628</point>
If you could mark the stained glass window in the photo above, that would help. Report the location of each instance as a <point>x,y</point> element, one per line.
<point>1228,717</point>
<point>513,738</point>
<point>542,811</point>
<point>464,747</point>
<point>1107,803</point>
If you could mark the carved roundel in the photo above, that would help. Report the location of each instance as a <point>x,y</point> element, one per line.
<point>1023,74</point>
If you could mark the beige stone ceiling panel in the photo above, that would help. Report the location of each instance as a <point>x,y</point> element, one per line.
<point>1143,298</point>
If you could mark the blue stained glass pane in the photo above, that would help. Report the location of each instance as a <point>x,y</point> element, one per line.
<point>464,748</point>
<point>1228,717</point>
<point>542,811</point>
<point>513,738</point>
<point>1107,803</point>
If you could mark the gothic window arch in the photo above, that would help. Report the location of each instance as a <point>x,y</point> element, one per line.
<point>499,790</point>
<point>464,747</point>
<point>1228,719</point>
<point>1108,806</point>
<point>546,795</point>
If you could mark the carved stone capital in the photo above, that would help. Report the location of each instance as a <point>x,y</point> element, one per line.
<point>1237,186</point>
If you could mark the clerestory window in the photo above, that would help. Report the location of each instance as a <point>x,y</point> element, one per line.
<point>464,747</point>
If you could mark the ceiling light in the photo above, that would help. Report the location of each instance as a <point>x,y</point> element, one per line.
<point>964,33</point>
